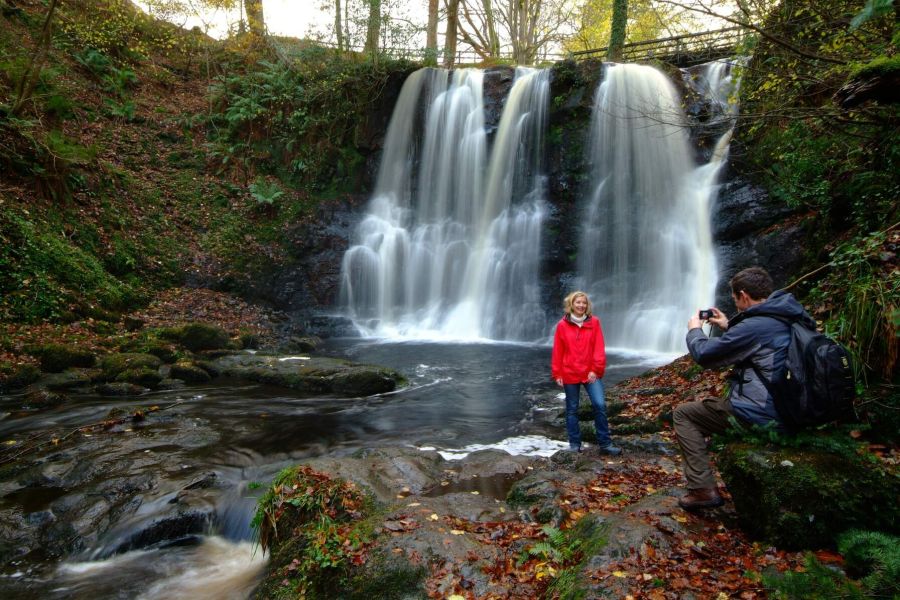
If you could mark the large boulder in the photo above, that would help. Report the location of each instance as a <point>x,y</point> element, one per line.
<point>56,358</point>
<point>805,498</point>
<point>310,375</point>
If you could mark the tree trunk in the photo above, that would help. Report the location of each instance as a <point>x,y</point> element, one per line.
<point>338,30</point>
<point>491,25</point>
<point>617,31</point>
<point>431,34</point>
<point>373,31</point>
<point>31,75</point>
<point>256,21</point>
<point>452,27</point>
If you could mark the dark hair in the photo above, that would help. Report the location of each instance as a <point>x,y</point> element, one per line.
<point>756,281</point>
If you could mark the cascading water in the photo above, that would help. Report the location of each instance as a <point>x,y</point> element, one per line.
<point>450,247</point>
<point>646,253</point>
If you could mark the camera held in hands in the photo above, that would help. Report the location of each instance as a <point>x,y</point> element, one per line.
<point>706,315</point>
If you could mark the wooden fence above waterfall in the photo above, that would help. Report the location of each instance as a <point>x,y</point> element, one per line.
<point>681,50</point>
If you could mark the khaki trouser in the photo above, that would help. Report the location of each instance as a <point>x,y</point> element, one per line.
<point>693,422</point>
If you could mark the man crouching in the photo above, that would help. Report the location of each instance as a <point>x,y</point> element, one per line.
<point>757,348</point>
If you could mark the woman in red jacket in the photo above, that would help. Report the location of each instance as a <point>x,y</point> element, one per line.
<point>579,358</point>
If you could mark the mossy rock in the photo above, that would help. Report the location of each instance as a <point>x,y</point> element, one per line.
<point>197,337</point>
<point>363,382</point>
<point>120,388</point>
<point>805,499</point>
<point>56,358</point>
<point>189,373</point>
<point>40,397</point>
<point>14,377</point>
<point>145,377</point>
<point>112,365</point>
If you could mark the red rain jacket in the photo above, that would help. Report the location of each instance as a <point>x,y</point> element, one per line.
<point>578,350</point>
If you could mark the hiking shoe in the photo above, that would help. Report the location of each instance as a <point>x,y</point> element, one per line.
<point>610,450</point>
<point>701,498</point>
<point>574,448</point>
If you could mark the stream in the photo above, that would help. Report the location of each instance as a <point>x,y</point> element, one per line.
<point>460,397</point>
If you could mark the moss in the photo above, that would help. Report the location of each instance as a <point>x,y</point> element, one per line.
<point>804,499</point>
<point>197,337</point>
<point>112,365</point>
<point>141,376</point>
<point>56,358</point>
<point>879,67</point>
<point>189,373</point>
<point>14,376</point>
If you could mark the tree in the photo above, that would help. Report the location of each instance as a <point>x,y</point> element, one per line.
<point>531,25</point>
<point>338,30</point>
<point>451,33</point>
<point>647,20</point>
<point>617,30</point>
<point>479,28</point>
<point>30,77</point>
<point>431,33</point>
<point>256,20</point>
<point>373,29</point>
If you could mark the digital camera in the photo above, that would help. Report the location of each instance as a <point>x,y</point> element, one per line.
<point>706,315</point>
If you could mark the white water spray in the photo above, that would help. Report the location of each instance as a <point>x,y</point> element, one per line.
<point>450,247</point>
<point>646,253</point>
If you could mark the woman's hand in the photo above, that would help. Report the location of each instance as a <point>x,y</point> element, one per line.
<point>592,377</point>
<point>559,381</point>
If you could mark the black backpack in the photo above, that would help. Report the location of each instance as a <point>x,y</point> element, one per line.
<point>816,385</point>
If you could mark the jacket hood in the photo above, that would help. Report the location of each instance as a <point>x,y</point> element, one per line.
<point>782,304</point>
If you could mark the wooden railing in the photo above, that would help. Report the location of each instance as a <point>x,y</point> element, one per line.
<point>686,48</point>
<point>705,45</point>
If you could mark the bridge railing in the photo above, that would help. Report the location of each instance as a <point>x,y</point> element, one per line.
<point>704,43</point>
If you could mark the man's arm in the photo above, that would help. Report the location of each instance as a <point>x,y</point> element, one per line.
<point>736,344</point>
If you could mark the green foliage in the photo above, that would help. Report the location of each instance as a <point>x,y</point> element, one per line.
<point>816,582</point>
<point>47,275</point>
<point>318,520</point>
<point>876,557</point>
<point>864,291</point>
<point>265,192</point>
<point>840,163</point>
<point>874,9</point>
<point>555,548</point>
<point>297,120</point>
<point>872,556</point>
<point>59,357</point>
<point>883,65</point>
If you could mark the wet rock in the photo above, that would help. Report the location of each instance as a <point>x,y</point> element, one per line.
<point>39,397</point>
<point>69,379</point>
<point>133,323</point>
<point>120,389</point>
<point>302,344</point>
<point>59,357</point>
<point>113,365</point>
<point>316,375</point>
<point>170,384</point>
<point>189,373</point>
<point>13,376</point>
<point>148,378</point>
<point>805,499</point>
<point>198,336</point>
<point>184,524</point>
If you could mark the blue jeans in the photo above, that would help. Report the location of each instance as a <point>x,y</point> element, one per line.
<point>598,404</point>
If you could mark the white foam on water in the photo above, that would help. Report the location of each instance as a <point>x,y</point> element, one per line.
<point>523,445</point>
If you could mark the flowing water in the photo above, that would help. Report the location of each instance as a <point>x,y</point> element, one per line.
<point>460,398</point>
<point>646,253</point>
<point>450,247</point>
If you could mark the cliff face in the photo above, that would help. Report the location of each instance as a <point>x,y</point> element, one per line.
<point>749,227</point>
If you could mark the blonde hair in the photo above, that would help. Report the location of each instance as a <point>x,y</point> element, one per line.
<point>570,300</point>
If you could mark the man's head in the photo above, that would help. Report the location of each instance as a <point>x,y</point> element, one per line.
<point>751,286</point>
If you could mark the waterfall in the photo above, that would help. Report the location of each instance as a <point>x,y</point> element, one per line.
<point>646,254</point>
<point>450,246</point>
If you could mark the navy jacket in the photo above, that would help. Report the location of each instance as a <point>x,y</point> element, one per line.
<point>759,342</point>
